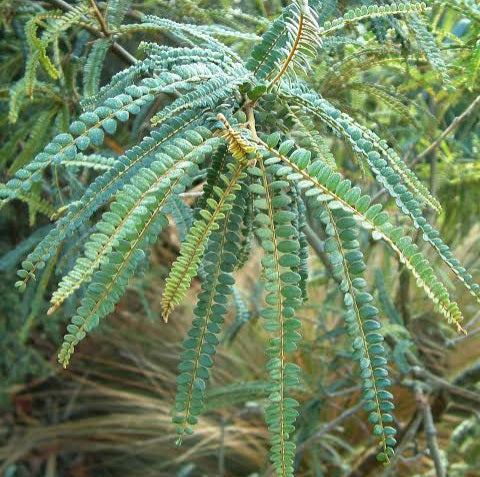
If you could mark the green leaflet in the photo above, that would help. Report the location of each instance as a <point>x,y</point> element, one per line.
<point>364,141</point>
<point>303,36</point>
<point>426,42</point>
<point>208,94</point>
<point>36,140</point>
<point>324,9</point>
<point>118,83</point>
<point>165,57</point>
<point>295,31</point>
<point>116,11</point>
<point>474,66</point>
<point>184,31</point>
<point>38,45</point>
<point>36,204</point>
<point>266,55</point>
<point>311,139</point>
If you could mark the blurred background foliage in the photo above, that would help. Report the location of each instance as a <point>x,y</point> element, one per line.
<point>110,413</point>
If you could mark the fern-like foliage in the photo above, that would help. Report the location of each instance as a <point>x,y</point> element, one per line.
<point>209,315</point>
<point>279,240</point>
<point>255,137</point>
<point>362,321</point>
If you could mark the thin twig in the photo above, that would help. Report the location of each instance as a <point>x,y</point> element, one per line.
<point>439,383</point>
<point>407,439</point>
<point>99,17</point>
<point>293,50</point>
<point>121,52</point>
<point>447,131</point>
<point>437,141</point>
<point>318,247</point>
<point>430,432</point>
<point>331,425</point>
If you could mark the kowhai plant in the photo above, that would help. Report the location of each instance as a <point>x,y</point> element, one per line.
<point>254,132</point>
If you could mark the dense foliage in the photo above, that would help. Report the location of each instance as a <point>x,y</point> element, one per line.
<point>291,132</point>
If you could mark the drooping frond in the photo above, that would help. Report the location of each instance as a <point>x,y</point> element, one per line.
<point>324,8</point>
<point>266,55</point>
<point>209,93</point>
<point>182,215</point>
<point>90,128</point>
<point>217,164</point>
<point>36,204</point>
<point>94,66</point>
<point>38,45</point>
<point>16,95</point>
<point>128,212</point>
<point>209,315</point>
<point>247,240</point>
<point>109,283</point>
<point>118,83</point>
<point>310,138</point>
<point>186,33</point>
<point>162,140</point>
<point>164,57</point>
<point>394,102</point>
<point>36,139</point>
<point>38,49</point>
<point>277,238</point>
<point>371,11</point>
<point>394,176</point>
<point>427,44</point>
<point>319,180</point>
<point>192,250</point>
<point>298,207</point>
<point>473,68</point>
<point>302,31</point>
<point>290,42</point>
<point>116,11</point>
<point>363,325</point>
<point>367,141</point>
